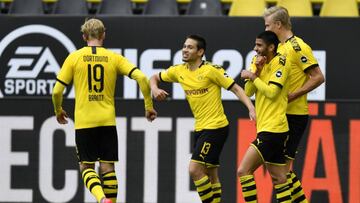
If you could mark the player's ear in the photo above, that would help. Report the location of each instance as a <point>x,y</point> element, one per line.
<point>272,47</point>
<point>103,36</point>
<point>84,37</point>
<point>278,24</point>
<point>201,52</point>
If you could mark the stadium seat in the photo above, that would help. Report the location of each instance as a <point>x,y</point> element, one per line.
<point>247,8</point>
<point>339,8</point>
<point>31,7</point>
<point>298,8</point>
<point>116,7</point>
<point>161,8</point>
<point>72,7</point>
<point>204,8</point>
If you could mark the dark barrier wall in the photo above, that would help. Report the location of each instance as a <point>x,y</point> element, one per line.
<point>38,155</point>
<point>154,43</point>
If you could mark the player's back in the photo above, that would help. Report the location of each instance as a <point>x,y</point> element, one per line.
<point>95,71</point>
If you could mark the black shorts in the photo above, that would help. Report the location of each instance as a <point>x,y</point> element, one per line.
<point>208,145</point>
<point>271,147</point>
<point>297,126</point>
<point>97,144</point>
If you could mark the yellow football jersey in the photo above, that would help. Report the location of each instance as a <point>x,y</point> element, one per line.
<point>300,57</point>
<point>94,71</point>
<point>203,92</point>
<point>270,112</point>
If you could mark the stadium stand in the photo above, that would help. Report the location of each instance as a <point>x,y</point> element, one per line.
<point>26,7</point>
<point>161,8</point>
<point>247,8</point>
<point>339,8</point>
<point>322,8</point>
<point>115,7</point>
<point>73,7</point>
<point>205,8</point>
<point>299,8</point>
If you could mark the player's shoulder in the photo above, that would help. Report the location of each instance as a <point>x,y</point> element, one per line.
<point>298,44</point>
<point>177,66</point>
<point>110,53</point>
<point>211,66</point>
<point>281,59</point>
<point>294,42</point>
<point>78,52</point>
<point>74,55</point>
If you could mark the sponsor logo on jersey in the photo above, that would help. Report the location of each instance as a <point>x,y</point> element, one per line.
<point>304,59</point>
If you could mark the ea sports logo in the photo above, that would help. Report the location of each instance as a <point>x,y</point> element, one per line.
<point>30,57</point>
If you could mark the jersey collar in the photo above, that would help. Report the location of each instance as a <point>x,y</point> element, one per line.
<point>289,38</point>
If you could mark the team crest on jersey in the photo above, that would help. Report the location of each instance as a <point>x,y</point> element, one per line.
<point>304,59</point>
<point>278,73</point>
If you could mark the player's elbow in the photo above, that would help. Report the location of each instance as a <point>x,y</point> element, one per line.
<point>154,80</point>
<point>271,94</point>
<point>142,79</point>
<point>321,79</point>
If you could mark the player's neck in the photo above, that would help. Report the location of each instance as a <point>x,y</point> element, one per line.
<point>94,43</point>
<point>194,65</point>
<point>269,57</point>
<point>285,35</point>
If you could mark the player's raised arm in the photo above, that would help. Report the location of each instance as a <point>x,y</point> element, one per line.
<point>143,82</point>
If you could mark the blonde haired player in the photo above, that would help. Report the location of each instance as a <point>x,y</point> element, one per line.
<point>305,76</point>
<point>93,71</point>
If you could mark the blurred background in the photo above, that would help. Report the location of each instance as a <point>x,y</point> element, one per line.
<point>38,155</point>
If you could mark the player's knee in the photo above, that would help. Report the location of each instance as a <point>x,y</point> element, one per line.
<point>278,178</point>
<point>243,171</point>
<point>84,166</point>
<point>106,167</point>
<point>196,172</point>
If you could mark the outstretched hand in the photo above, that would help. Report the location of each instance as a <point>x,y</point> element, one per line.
<point>159,94</point>
<point>62,117</point>
<point>150,115</point>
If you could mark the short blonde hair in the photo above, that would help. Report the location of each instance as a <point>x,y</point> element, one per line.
<point>279,13</point>
<point>93,28</point>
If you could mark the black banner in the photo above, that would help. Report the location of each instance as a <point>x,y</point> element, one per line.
<point>32,49</point>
